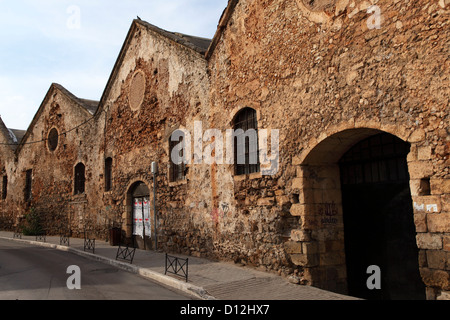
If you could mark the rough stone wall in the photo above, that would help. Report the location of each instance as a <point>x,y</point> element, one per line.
<point>6,168</point>
<point>89,213</point>
<point>176,92</point>
<point>330,73</point>
<point>52,176</point>
<point>313,70</point>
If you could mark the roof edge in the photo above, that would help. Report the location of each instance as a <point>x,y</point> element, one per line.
<point>6,132</point>
<point>86,104</point>
<point>223,22</point>
<point>115,69</point>
<point>173,36</point>
<point>67,93</point>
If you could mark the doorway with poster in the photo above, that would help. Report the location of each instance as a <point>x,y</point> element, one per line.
<point>141,222</point>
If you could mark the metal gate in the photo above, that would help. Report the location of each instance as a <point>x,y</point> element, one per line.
<point>378,219</point>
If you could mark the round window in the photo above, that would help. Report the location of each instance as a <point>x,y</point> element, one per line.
<point>137,90</point>
<point>53,138</point>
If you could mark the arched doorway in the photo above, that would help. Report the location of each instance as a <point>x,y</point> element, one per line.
<point>139,199</point>
<point>378,219</point>
<point>349,222</point>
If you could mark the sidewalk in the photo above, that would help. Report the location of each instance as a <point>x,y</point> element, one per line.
<point>208,280</point>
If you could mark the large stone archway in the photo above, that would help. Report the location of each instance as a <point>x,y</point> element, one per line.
<point>324,253</point>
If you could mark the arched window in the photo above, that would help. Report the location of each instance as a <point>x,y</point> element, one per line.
<point>28,184</point>
<point>108,174</point>
<point>177,169</point>
<point>246,155</point>
<point>79,178</point>
<point>4,187</point>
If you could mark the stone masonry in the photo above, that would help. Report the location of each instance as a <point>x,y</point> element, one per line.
<point>326,74</point>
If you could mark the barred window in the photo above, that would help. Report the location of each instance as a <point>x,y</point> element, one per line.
<point>108,174</point>
<point>380,158</point>
<point>28,185</point>
<point>246,152</point>
<point>79,178</point>
<point>177,169</point>
<point>4,187</point>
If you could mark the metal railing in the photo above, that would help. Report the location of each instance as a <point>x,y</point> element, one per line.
<point>126,253</point>
<point>89,244</point>
<point>41,237</point>
<point>17,234</point>
<point>64,240</point>
<point>177,266</point>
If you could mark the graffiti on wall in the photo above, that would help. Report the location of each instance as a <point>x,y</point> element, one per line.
<point>220,212</point>
<point>216,215</point>
<point>328,211</point>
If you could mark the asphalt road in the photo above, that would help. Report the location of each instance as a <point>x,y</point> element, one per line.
<point>35,273</point>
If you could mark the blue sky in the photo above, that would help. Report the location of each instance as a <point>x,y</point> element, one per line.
<point>76,43</point>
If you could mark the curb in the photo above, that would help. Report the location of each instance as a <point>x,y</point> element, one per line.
<point>188,288</point>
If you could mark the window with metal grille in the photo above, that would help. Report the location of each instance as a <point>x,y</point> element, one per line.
<point>246,155</point>
<point>177,169</point>
<point>28,184</point>
<point>79,178</point>
<point>108,174</point>
<point>4,187</point>
<point>380,158</point>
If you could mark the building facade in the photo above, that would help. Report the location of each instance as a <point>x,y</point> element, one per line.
<point>356,94</point>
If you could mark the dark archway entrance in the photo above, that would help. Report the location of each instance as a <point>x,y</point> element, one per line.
<point>378,219</point>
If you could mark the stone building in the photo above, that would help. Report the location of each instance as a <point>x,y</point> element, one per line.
<point>359,93</point>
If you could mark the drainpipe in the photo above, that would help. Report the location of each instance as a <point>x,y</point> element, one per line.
<point>155,172</point>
